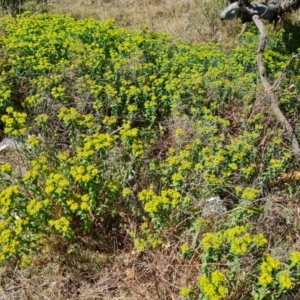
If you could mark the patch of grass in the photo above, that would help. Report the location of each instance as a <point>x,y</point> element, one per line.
<point>188,20</point>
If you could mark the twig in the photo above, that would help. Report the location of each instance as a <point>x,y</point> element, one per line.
<point>3,294</point>
<point>15,287</point>
<point>281,76</point>
<point>242,31</point>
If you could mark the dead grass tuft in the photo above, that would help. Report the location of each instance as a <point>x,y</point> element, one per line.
<point>82,274</point>
<point>280,222</point>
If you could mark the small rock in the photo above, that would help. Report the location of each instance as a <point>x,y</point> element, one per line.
<point>9,144</point>
<point>213,205</point>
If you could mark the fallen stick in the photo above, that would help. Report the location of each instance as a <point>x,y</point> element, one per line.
<point>270,93</point>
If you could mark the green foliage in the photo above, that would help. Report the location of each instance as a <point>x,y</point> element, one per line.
<point>119,124</point>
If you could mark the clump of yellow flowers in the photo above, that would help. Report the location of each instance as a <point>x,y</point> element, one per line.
<point>232,245</point>
<point>214,287</point>
<point>275,278</point>
<point>16,122</point>
<point>236,239</point>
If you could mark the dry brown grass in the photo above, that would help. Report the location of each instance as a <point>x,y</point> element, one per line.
<point>186,19</point>
<point>85,275</point>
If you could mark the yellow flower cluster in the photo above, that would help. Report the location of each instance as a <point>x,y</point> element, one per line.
<point>267,267</point>
<point>276,163</point>
<point>211,241</point>
<point>39,164</point>
<point>26,260</point>
<point>113,185</point>
<point>11,228</point>
<point>259,239</point>
<point>184,248</point>
<point>137,148</point>
<point>126,192</point>
<point>270,263</point>
<point>34,207</point>
<point>5,90</point>
<point>7,197</point>
<point>167,199</point>
<point>6,168</point>
<point>58,92</point>
<point>33,100</point>
<point>177,177</point>
<point>237,238</point>
<point>33,141</point>
<point>181,161</point>
<point>265,278</point>
<point>214,286</point>
<point>185,291</point>
<point>149,240</point>
<point>140,244</point>
<point>94,143</point>
<point>295,258</point>
<point>109,120</point>
<point>83,173</point>
<point>41,119</point>
<point>9,244</point>
<point>250,193</point>
<point>79,202</point>
<point>132,108</point>
<point>128,132</point>
<point>72,117</point>
<point>56,183</point>
<point>62,224</point>
<point>284,279</point>
<point>15,122</point>
<point>240,245</point>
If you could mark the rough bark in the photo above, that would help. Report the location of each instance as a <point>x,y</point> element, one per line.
<point>245,13</point>
<point>271,10</point>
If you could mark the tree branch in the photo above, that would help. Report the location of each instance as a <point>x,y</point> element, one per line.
<point>271,10</point>
<point>269,89</point>
<point>246,12</point>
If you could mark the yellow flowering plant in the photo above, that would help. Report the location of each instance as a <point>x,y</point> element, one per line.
<point>275,278</point>
<point>122,125</point>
